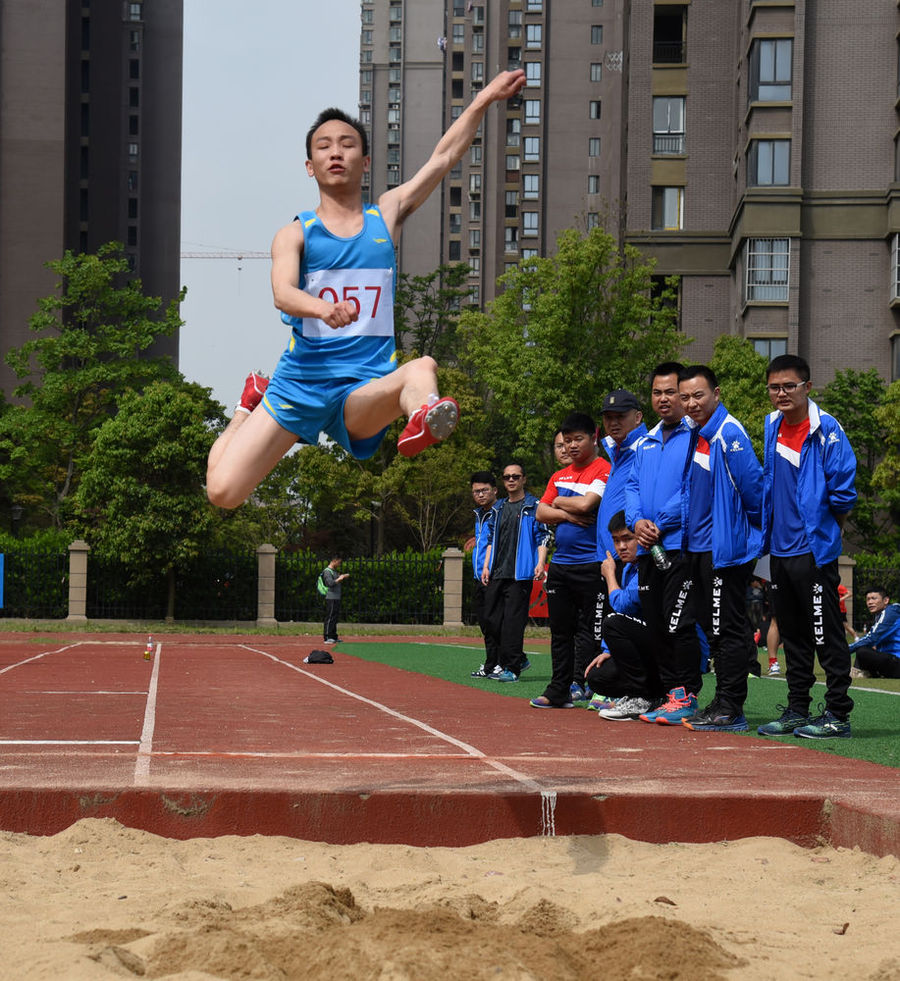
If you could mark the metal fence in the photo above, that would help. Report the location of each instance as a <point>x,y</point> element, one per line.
<point>36,584</point>
<point>217,585</point>
<point>398,588</point>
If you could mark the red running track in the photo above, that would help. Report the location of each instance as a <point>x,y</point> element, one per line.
<point>236,735</point>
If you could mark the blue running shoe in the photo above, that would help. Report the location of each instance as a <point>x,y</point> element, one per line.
<point>576,692</point>
<point>716,718</point>
<point>827,726</point>
<point>506,675</point>
<point>526,664</point>
<point>679,705</point>
<point>785,724</point>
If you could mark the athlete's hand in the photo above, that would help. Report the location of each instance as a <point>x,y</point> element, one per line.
<point>646,532</point>
<point>339,314</point>
<point>608,566</point>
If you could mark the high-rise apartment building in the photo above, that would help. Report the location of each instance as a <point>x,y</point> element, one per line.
<point>90,146</point>
<point>720,138</point>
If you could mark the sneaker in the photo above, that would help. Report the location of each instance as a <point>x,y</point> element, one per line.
<point>716,718</point>
<point>827,726</point>
<point>859,673</point>
<point>526,664</point>
<point>598,702</point>
<point>542,702</point>
<point>678,705</point>
<point>774,669</point>
<point>480,673</point>
<point>505,676</point>
<point>785,724</point>
<point>629,707</point>
<point>428,424</point>
<point>330,640</point>
<point>495,670</point>
<point>576,692</point>
<point>254,388</point>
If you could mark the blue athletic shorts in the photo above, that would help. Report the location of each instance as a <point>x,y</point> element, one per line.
<point>309,408</point>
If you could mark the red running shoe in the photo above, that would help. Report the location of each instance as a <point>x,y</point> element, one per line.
<point>254,387</point>
<point>428,424</point>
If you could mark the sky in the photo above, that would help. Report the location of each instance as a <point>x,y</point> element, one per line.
<point>255,77</point>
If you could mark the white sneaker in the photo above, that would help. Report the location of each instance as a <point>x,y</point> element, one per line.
<point>629,707</point>
<point>774,669</point>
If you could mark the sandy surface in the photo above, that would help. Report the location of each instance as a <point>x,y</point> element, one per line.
<point>102,901</point>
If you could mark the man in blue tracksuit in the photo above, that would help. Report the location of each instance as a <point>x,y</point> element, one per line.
<point>484,494</point>
<point>653,511</point>
<point>722,526</point>
<point>878,651</point>
<point>515,556</point>
<point>809,488</point>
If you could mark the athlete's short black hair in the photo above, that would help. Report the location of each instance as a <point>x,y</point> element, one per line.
<point>789,362</point>
<point>666,368</point>
<point>578,422</point>
<point>326,116</point>
<point>617,523</point>
<point>483,477</point>
<point>699,371</point>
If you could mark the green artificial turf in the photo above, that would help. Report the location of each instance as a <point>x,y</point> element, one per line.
<point>875,720</point>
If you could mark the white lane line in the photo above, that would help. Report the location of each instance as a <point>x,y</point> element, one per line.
<point>465,747</point>
<point>37,657</point>
<point>142,763</point>
<point>83,691</point>
<point>68,742</point>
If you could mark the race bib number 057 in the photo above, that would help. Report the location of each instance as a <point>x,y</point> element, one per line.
<point>370,291</point>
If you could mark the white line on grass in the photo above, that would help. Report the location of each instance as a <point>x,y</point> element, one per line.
<point>142,763</point>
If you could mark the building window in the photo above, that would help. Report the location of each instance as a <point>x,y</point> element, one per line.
<point>593,220</point>
<point>477,14</point>
<point>133,125</point>
<point>132,180</point>
<point>474,183</point>
<point>135,11</point>
<point>769,347</point>
<point>367,16</point>
<point>534,34</point>
<point>132,208</point>
<point>474,238</point>
<point>456,88</point>
<point>455,223</point>
<point>459,34</point>
<point>512,161</point>
<point>393,176</point>
<point>667,209</point>
<point>475,210</point>
<point>395,75</point>
<point>514,23</point>
<point>455,250</point>
<point>510,239</point>
<point>394,53</point>
<point>365,57</point>
<point>532,74</point>
<point>769,162</point>
<point>594,146</point>
<point>513,131</point>
<point>474,265</point>
<point>395,34</point>
<point>132,240</point>
<point>594,107</point>
<point>596,71</point>
<point>668,124</point>
<point>134,40</point>
<point>459,8</point>
<point>455,196</point>
<point>596,3</point>
<point>895,267</point>
<point>512,205</point>
<point>535,6</point>
<point>531,186</point>
<point>770,70</point>
<point>478,41</point>
<point>475,155</point>
<point>366,37</point>
<point>768,270</point>
<point>529,224</point>
<point>531,149</point>
<point>132,151</point>
<point>596,34</point>
<point>668,34</point>
<point>532,112</point>
<point>593,183</point>
<point>513,59</point>
<point>395,13</point>
<point>134,68</point>
<point>394,94</point>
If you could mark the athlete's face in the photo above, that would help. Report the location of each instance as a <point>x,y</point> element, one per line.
<point>337,156</point>
<point>484,495</point>
<point>665,399</point>
<point>560,451</point>
<point>626,545</point>
<point>875,602</point>
<point>620,424</point>
<point>790,394</point>
<point>581,447</point>
<point>698,398</point>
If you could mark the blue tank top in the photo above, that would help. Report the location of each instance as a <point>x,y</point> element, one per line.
<point>361,270</point>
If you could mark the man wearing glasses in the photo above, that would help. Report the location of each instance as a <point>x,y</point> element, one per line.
<point>484,494</point>
<point>808,491</point>
<point>515,556</point>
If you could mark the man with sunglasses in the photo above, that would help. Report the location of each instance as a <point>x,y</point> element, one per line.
<point>515,556</point>
<point>809,477</point>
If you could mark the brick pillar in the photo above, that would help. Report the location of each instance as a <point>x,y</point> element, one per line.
<point>845,569</point>
<point>265,595</point>
<point>78,563</point>
<point>453,587</point>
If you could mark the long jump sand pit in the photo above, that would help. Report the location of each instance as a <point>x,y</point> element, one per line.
<point>99,900</point>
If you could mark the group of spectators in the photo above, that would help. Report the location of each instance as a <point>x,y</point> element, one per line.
<point>654,545</point>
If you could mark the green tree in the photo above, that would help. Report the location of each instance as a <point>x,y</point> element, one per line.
<point>857,399</point>
<point>426,310</point>
<point>742,380</point>
<point>886,475</point>
<point>565,330</point>
<point>141,496</point>
<point>89,348</point>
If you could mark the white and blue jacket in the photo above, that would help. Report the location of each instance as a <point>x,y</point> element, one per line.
<point>530,535</point>
<point>884,634</point>
<point>622,460</point>
<point>653,488</point>
<point>737,486</point>
<point>826,481</point>
<point>483,525</point>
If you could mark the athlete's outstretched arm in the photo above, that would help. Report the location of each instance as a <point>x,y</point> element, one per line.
<point>400,202</point>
